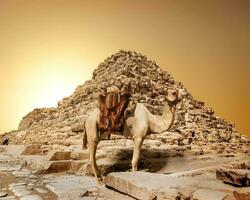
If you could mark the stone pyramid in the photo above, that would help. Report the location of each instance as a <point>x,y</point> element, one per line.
<point>194,122</point>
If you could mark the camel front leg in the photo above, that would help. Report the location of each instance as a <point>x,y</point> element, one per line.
<point>136,154</point>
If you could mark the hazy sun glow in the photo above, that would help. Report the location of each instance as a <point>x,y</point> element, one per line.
<point>54,82</point>
<point>49,47</point>
<point>43,85</point>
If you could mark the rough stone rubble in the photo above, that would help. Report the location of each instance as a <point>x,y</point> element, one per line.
<point>194,122</point>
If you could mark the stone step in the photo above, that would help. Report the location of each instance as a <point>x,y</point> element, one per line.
<point>56,161</point>
<point>135,184</point>
<point>13,150</point>
<point>58,155</point>
<point>57,166</point>
<point>149,186</point>
<point>35,152</point>
<point>60,166</point>
<point>36,149</point>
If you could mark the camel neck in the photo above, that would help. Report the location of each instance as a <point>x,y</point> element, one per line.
<point>168,110</point>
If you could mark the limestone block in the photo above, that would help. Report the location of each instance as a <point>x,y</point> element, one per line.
<point>208,194</point>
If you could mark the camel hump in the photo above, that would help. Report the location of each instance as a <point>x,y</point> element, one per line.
<point>112,107</point>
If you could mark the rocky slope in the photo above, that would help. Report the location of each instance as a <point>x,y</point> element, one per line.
<point>194,122</point>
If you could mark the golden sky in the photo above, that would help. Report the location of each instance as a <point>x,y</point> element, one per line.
<point>48,47</point>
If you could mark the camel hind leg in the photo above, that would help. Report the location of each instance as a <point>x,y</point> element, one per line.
<point>93,140</point>
<point>92,161</point>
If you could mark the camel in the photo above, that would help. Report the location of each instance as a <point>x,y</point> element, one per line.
<point>142,124</point>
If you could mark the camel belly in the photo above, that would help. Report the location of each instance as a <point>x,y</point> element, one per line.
<point>106,135</point>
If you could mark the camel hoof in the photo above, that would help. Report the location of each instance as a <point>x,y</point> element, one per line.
<point>134,169</point>
<point>100,181</point>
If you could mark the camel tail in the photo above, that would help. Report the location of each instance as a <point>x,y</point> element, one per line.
<point>84,139</point>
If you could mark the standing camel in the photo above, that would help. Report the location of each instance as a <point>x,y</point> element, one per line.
<point>142,124</point>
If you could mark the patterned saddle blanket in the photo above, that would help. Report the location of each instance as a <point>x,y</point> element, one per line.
<point>112,107</point>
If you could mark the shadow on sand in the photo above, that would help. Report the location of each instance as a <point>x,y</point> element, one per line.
<point>150,161</point>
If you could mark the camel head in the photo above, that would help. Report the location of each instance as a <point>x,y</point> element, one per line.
<point>172,96</point>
